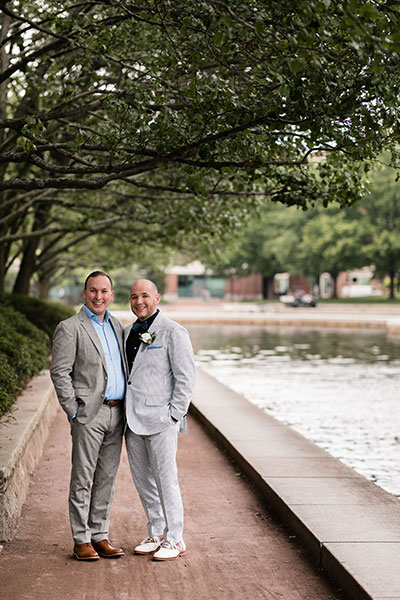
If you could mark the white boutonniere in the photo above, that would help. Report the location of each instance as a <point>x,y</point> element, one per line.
<point>147,338</point>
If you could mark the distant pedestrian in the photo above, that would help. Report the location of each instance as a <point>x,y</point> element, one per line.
<point>87,371</point>
<point>161,375</point>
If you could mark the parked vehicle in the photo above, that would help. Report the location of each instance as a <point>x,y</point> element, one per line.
<point>299,298</point>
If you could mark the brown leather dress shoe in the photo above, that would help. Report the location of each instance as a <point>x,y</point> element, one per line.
<point>107,550</point>
<point>85,552</point>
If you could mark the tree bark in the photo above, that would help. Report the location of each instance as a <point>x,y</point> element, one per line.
<point>391,285</point>
<point>26,269</point>
<point>268,287</point>
<point>44,285</point>
<point>45,274</point>
<point>2,268</point>
<point>28,262</point>
<point>334,284</point>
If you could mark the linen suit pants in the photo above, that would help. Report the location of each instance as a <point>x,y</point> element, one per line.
<point>152,460</point>
<point>96,451</point>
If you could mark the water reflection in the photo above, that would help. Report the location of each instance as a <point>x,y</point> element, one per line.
<point>338,388</point>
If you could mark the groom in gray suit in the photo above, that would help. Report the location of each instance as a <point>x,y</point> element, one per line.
<point>161,375</point>
<point>87,370</point>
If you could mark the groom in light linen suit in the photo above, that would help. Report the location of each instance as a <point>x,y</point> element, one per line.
<point>161,376</point>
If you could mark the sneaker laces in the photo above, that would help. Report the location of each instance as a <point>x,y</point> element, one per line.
<point>170,545</point>
<point>152,540</point>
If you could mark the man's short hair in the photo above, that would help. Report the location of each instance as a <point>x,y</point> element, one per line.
<point>96,274</point>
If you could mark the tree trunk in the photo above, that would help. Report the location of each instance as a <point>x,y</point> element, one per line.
<point>44,285</point>
<point>28,262</point>
<point>4,63</point>
<point>45,272</point>
<point>2,269</point>
<point>391,285</point>
<point>334,284</point>
<point>268,287</point>
<point>26,269</point>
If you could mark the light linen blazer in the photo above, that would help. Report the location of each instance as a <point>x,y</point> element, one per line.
<point>78,367</point>
<point>161,381</point>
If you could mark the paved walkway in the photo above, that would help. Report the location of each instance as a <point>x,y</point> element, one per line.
<point>236,549</point>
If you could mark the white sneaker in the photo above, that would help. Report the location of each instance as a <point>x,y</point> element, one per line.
<point>149,545</point>
<point>170,551</point>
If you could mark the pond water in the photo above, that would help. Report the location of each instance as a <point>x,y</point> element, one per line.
<point>338,388</point>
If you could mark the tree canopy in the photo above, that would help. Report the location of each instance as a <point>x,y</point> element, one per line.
<point>330,239</point>
<point>169,121</point>
<point>382,210</point>
<point>269,244</point>
<point>334,241</point>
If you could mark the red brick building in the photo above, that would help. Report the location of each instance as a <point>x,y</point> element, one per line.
<point>195,281</point>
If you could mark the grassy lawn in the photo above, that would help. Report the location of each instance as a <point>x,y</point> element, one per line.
<point>364,300</point>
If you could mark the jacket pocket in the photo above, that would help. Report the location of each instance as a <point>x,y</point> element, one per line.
<point>81,392</point>
<point>81,397</point>
<point>156,401</point>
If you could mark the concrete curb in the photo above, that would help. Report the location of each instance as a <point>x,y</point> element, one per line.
<point>350,526</point>
<point>22,436</point>
<point>363,318</point>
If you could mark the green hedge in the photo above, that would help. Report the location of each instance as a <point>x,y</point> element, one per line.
<point>23,354</point>
<point>26,328</point>
<point>43,314</point>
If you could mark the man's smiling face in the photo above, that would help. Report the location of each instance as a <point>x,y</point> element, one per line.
<point>144,299</point>
<point>98,295</point>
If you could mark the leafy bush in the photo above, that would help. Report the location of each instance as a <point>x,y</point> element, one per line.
<point>9,384</point>
<point>26,328</point>
<point>23,354</point>
<point>45,315</point>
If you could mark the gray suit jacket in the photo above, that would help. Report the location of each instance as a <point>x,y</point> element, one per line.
<point>78,367</point>
<point>161,381</point>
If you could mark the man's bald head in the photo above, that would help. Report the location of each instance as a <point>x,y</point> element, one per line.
<point>144,298</point>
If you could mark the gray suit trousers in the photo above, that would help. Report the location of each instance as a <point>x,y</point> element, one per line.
<point>96,451</point>
<point>152,459</point>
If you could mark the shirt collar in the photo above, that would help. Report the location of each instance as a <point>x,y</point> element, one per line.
<point>149,320</point>
<point>94,317</point>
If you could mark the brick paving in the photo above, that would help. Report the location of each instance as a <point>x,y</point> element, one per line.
<point>237,550</point>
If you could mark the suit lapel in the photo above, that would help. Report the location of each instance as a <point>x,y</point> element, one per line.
<point>88,327</point>
<point>157,326</point>
<point>118,333</point>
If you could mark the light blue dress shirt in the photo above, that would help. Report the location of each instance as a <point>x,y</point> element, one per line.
<point>115,389</point>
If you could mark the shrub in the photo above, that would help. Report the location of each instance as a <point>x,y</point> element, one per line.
<point>45,315</point>
<point>23,354</point>
<point>9,385</point>
<point>26,327</point>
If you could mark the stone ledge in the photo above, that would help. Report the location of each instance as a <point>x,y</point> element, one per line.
<point>22,436</point>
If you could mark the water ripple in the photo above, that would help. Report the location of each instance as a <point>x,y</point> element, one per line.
<point>339,389</point>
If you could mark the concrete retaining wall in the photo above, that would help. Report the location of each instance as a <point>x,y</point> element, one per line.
<point>22,436</point>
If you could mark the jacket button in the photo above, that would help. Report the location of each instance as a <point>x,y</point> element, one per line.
<point>129,383</point>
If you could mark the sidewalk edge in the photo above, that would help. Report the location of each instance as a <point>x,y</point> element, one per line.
<point>23,433</point>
